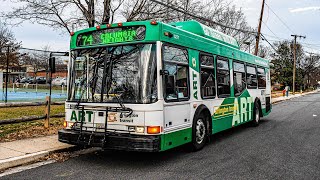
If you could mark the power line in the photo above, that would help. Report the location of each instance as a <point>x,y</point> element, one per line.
<point>202,18</point>
<point>275,37</point>
<point>270,30</point>
<point>280,19</point>
<point>272,46</point>
<point>39,50</point>
<point>285,39</point>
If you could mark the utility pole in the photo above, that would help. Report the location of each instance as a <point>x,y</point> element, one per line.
<point>7,74</point>
<point>294,60</point>
<point>259,29</point>
<point>186,10</point>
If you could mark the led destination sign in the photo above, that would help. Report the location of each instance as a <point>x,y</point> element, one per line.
<point>114,35</point>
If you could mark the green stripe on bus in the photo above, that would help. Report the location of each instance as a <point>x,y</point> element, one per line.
<point>175,139</point>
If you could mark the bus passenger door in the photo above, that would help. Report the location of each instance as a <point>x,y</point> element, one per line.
<point>176,94</point>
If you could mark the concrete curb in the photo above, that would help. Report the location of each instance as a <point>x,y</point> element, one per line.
<point>32,157</point>
<point>29,158</point>
<point>16,161</point>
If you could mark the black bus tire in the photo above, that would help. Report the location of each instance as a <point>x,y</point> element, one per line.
<point>199,132</point>
<point>256,115</point>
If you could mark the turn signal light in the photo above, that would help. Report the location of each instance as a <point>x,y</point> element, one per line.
<point>65,124</point>
<point>154,129</point>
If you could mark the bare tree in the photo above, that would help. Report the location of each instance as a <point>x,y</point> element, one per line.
<point>65,14</point>
<point>8,41</point>
<point>37,60</point>
<point>219,11</point>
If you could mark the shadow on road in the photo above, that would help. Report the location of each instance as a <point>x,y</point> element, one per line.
<point>143,159</point>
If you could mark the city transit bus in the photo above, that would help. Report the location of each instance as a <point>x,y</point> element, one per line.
<point>151,86</point>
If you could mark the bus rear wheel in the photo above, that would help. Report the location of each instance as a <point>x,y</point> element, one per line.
<point>256,115</point>
<point>199,133</point>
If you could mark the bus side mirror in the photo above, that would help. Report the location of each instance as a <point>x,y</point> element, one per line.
<point>52,64</point>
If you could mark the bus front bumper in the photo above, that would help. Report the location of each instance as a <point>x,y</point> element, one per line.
<point>115,141</point>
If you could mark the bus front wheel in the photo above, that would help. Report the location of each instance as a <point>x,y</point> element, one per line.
<point>199,133</point>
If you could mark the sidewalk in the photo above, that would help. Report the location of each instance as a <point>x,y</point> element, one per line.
<point>284,98</point>
<point>28,150</point>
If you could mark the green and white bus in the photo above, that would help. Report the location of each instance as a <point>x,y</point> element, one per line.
<point>151,86</point>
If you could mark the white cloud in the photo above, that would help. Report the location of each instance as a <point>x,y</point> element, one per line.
<point>312,8</point>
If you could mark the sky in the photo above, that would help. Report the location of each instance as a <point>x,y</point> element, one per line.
<point>282,18</point>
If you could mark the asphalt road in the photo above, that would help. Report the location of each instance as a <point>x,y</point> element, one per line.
<point>286,145</point>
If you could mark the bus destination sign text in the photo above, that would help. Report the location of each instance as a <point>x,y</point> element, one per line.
<point>114,35</point>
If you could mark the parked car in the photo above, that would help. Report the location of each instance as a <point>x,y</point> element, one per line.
<point>31,80</point>
<point>40,80</point>
<point>59,81</point>
<point>24,80</point>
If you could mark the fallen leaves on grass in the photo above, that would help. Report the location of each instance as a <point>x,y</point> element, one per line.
<point>29,130</point>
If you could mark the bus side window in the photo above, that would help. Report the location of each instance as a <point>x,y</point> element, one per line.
<point>223,77</point>
<point>176,82</point>
<point>261,78</point>
<point>251,77</point>
<point>208,86</point>
<point>239,78</point>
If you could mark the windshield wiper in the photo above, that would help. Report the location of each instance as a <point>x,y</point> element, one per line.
<point>107,80</point>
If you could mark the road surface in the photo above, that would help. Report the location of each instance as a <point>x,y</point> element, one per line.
<point>286,145</point>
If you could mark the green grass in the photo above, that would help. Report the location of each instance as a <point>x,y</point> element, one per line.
<point>16,112</point>
<point>11,132</point>
<point>23,130</point>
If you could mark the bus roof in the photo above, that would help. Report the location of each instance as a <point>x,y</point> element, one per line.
<point>205,31</point>
<point>188,33</point>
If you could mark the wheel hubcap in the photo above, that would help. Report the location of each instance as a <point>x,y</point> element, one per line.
<point>200,131</point>
<point>257,115</point>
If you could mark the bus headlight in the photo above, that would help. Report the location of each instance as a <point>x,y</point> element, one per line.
<point>140,129</point>
<point>137,129</point>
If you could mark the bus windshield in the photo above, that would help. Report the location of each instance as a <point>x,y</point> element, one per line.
<point>119,74</point>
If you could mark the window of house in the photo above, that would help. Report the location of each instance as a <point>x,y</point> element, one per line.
<point>223,77</point>
<point>251,77</point>
<point>177,78</point>
<point>208,86</point>
<point>239,78</point>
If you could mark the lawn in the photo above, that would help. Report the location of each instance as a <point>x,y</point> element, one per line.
<point>16,112</point>
<point>11,132</point>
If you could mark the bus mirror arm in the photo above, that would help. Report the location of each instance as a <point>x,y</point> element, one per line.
<point>164,72</point>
